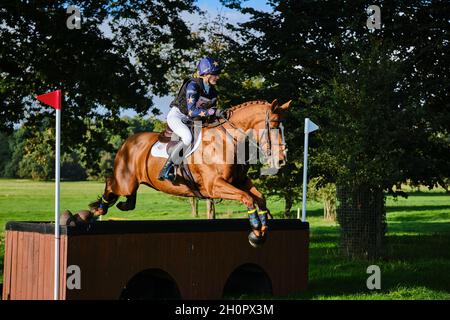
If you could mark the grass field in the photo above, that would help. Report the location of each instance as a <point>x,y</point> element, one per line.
<point>417,264</point>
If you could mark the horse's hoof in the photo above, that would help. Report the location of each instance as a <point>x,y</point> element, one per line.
<point>264,230</point>
<point>256,241</point>
<point>98,212</point>
<point>67,219</point>
<point>122,206</point>
<point>85,215</point>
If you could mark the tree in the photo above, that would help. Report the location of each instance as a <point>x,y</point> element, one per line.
<point>325,193</point>
<point>99,74</point>
<point>210,209</point>
<point>194,206</point>
<point>378,97</point>
<point>16,150</point>
<point>38,157</point>
<point>4,152</point>
<point>71,168</point>
<point>29,153</point>
<point>103,164</point>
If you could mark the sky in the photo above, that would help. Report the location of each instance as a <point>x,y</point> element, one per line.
<point>213,8</point>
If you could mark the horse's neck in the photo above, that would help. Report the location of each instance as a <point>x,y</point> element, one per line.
<point>238,124</point>
<point>244,118</point>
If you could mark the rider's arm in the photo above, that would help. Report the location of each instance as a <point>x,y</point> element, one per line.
<point>192,96</point>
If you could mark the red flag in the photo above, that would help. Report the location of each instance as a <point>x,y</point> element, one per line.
<point>53,99</point>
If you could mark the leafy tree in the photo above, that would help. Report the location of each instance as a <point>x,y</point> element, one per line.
<point>99,74</point>
<point>71,168</point>
<point>38,158</point>
<point>379,97</point>
<point>325,193</point>
<point>31,154</point>
<point>104,162</point>
<point>4,152</point>
<point>16,147</point>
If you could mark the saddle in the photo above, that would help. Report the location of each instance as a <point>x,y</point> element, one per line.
<point>169,137</point>
<point>165,136</point>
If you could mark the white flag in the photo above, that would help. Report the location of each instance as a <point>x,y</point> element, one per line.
<point>310,126</point>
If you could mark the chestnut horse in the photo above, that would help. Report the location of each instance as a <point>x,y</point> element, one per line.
<point>134,165</point>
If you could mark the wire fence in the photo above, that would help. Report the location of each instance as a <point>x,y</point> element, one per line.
<point>361,214</point>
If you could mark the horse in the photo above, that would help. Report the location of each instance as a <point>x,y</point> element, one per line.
<point>134,165</point>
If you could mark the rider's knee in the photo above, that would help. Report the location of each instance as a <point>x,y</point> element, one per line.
<point>186,140</point>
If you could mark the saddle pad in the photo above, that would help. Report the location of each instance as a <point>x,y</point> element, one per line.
<point>159,148</point>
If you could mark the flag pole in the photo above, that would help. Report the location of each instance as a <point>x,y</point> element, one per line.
<point>309,127</point>
<point>53,99</point>
<point>57,194</point>
<point>305,169</point>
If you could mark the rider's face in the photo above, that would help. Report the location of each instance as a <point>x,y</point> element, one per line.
<point>212,78</point>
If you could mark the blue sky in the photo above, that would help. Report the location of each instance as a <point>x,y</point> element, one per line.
<point>215,4</point>
<point>212,7</point>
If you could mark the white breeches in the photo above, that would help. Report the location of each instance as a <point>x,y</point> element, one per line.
<point>174,120</point>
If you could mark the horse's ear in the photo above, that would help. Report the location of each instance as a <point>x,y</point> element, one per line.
<point>285,105</point>
<point>280,109</point>
<point>274,104</point>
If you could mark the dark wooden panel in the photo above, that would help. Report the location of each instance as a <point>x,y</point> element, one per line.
<point>28,290</point>
<point>154,226</point>
<point>200,262</point>
<point>21,247</point>
<point>63,268</point>
<point>35,266</point>
<point>41,266</point>
<point>7,265</point>
<point>14,261</point>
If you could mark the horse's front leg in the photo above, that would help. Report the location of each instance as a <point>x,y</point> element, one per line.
<point>260,200</point>
<point>224,190</point>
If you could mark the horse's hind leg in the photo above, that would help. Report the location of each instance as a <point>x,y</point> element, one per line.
<point>108,199</point>
<point>130,204</point>
<point>127,188</point>
<point>113,190</point>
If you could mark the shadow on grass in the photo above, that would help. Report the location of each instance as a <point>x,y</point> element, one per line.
<point>419,247</point>
<point>410,261</point>
<point>417,208</point>
<point>396,226</point>
<point>309,213</point>
<point>427,194</point>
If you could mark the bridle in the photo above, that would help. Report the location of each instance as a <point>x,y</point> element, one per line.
<point>266,132</point>
<point>267,149</point>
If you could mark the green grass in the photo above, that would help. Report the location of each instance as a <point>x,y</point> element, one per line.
<point>416,265</point>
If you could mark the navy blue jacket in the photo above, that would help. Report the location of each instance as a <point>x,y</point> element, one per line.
<point>192,97</point>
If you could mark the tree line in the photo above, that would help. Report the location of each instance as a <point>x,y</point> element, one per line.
<point>379,96</point>
<point>28,154</point>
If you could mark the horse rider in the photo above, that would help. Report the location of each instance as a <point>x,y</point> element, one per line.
<point>195,100</point>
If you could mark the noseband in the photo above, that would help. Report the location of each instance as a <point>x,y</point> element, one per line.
<point>267,151</point>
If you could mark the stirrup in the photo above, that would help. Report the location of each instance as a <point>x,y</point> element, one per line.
<point>169,175</point>
<point>166,173</point>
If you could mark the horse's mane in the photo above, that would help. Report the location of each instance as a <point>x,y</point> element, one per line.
<point>230,110</point>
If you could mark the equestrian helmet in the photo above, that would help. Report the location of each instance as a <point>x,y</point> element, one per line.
<point>208,65</point>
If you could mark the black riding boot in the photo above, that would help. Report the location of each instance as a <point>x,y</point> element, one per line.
<point>174,157</point>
